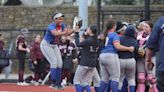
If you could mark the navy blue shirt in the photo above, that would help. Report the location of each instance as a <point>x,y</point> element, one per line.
<point>156,41</point>
<point>128,40</point>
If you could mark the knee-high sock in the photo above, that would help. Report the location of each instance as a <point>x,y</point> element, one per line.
<point>108,87</point>
<point>59,75</point>
<point>114,86</point>
<point>132,89</point>
<point>78,88</point>
<point>154,87</point>
<point>87,88</point>
<point>53,75</point>
<point>103,86</point>
<point>124,86</point>
<point>141,88</point>
<point>97,89</point>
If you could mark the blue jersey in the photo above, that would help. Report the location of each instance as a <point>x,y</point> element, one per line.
<point>49,37</point>
<point>109,46</point>
<point>156,41</point>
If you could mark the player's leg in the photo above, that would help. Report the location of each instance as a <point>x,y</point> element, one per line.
<point>49,54</point>
<point>103,72</point>
<point>79,75</point>
<point>130,73</point>
<point>151,76</point>
<point>141,75</point>
<point>96,80</point>
<point>87,79</point>
<point>114,71</point>
<point>122,75</point>
<point>59,66</point>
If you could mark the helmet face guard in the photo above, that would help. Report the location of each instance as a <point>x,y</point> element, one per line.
<point>77,22</point>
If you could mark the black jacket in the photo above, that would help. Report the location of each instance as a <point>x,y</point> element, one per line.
<point>89,50</point>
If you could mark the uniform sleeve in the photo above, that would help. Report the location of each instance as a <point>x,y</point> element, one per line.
<point>115,37</point>
<point>51,27</point>
<point>153,40</point>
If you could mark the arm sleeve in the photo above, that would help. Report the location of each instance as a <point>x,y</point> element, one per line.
<point>116,37</point>
<point>51,27</point>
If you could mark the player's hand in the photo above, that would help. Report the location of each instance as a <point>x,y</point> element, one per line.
<point>149,65</point>
<point>75,61</point>
<point>27,50</point>
<point>35,62</point>
<point>131,49</point>
<point>77,29</point>
<point>101,37</point>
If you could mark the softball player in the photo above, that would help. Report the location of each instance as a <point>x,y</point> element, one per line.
<point>144,73</point>
<point>127,59</point>
<point>156,41</point>
<point>109,61</point>
<point>87,65</point>
<point>50,50</point>
<point>22,49</point>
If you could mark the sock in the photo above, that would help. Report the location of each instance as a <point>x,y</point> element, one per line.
<point>78,88</point>
<point>118,90</point>
<point>108,86</point>
<point>53,75</point>
<point>132,88</point>
<point>59,75</point>
<point>124,86</point>
<point>88,89</point>
<point>97,89</point>
<point>114,86</point>
<point>103,86</point>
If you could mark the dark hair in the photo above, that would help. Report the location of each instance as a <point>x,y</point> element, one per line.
<point>109,25</point>
<point>149,23</point>
<point>93,29</point>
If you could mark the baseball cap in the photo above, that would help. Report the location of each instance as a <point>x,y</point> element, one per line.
<point>57,15</point>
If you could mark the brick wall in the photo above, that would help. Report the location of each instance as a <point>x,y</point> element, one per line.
<point>15,17</point>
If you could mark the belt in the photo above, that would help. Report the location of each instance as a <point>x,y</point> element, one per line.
<point>53,43</point>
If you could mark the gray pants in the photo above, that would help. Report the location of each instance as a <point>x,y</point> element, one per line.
<point>109,67</point>
<point>141,67</point>
<point>128,70</point>
<point>52,54</point>
<point>96,78</point>
<point>84,75</point>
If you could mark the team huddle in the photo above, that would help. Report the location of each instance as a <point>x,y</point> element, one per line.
<point>119,51</point>
<point>121,56</point>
